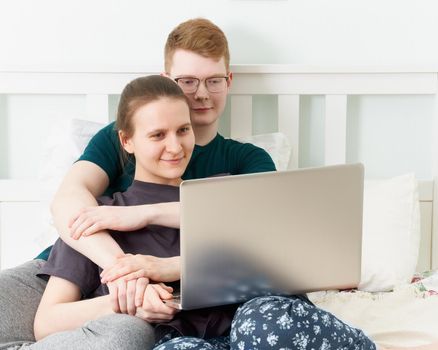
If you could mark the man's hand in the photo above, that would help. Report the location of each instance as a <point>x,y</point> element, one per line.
<point>154,310</point>
<point>90,220</point>
<point>127,296</point>
<point>129,267</point>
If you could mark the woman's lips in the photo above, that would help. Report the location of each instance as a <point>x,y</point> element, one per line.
<point>173,161</point>
<point>202,109</point>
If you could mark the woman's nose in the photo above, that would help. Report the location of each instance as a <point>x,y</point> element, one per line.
<point>173,145</point>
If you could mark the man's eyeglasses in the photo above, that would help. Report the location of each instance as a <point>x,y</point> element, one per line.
<point>191,85</point>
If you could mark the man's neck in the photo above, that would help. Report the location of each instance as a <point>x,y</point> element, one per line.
<point>205,134</point>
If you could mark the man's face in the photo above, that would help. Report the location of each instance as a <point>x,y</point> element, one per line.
<point>205,107</point>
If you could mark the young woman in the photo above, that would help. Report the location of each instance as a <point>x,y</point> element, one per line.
<point>154,126</point>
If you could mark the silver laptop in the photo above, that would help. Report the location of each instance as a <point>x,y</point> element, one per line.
<point>270,233</point>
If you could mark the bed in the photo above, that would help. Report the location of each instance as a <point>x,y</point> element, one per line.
<point>87,99</point>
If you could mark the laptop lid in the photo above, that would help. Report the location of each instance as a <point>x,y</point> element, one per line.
<point>279,232</point>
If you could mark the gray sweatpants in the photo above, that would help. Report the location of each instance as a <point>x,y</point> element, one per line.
<point>20,295</point>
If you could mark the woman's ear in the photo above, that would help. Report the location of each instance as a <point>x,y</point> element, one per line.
<point>126,142</point>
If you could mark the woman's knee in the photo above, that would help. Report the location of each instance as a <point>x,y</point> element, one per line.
<point>122,331</point>
<point>266,308</point>
<point>266,318</point>
<point>284,322</point>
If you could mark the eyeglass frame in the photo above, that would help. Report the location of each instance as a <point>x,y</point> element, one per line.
<point>226,77</point>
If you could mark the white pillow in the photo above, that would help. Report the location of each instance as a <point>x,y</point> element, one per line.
<point>391,232</point>
<point>64,144</point>
<point>276,144</point>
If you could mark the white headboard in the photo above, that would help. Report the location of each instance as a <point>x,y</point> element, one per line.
<point>20,195</point>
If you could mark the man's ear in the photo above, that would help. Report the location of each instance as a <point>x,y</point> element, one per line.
<point>126,142</point>
<point>167,75</point>
<point>230,79</point>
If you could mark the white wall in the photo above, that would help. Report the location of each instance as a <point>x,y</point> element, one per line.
<point>113,34</point>
<point>132,33</point>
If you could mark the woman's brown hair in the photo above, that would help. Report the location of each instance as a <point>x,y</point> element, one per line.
<point>138,93</point>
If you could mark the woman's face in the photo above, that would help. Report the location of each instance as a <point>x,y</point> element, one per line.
<point>162,142</point>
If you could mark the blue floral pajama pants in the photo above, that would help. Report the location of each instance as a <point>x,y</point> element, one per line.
<point>283,323</point>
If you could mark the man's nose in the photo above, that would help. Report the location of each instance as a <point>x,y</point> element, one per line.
<point>202,92</point>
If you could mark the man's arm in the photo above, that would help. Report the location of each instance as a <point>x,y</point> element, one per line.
<point>83,182</point>
<point>91,220</point>
<point>136,266</point>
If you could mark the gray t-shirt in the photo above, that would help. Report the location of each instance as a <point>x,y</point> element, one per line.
<point>160,241</point>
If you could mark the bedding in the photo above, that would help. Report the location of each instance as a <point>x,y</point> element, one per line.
<point>406,316</point>
<point>391,232</point>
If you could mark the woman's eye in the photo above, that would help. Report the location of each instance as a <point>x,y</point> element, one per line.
<point>184,130</point>
<point>157,136</point>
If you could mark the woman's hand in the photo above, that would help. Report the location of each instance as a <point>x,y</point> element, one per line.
<point>154,310</point>
<point>127,296</point>
<point>119,218</point>
<point>129,267</point>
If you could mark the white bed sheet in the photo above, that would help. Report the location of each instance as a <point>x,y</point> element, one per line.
<point>407,316</point>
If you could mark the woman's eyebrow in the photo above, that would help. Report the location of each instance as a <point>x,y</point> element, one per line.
<point>164,129</point>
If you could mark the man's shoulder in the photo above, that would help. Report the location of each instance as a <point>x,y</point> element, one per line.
<point>239,146</point>
<point>108,130</point>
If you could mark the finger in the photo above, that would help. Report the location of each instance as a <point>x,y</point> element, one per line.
<point>153,305</point>
<point>162,293</point>
<point>78,219</point>
<point>159,318</point>
<point>152,317</point>
<point>114,300</point>
<point>115,272</point>
<point>74,233</point>
<point>121,286</point>
<point>82,227</point>
<point>156,301</point>
<point>135,275</point>
<point>140,289</point>
<point>152,301</point>
<point>96,227</point>
<point>72,220</point>
<point>168,288</point>
<point>131,297</point>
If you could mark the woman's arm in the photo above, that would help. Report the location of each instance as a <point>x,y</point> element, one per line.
<point>61,309</point>
<point>84,181</point>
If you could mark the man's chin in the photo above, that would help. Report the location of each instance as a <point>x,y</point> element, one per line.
<point>203,120</point>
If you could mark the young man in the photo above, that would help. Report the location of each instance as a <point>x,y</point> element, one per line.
<point>197,58</point>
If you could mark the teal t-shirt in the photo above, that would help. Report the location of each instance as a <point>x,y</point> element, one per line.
<point>221,156</point>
